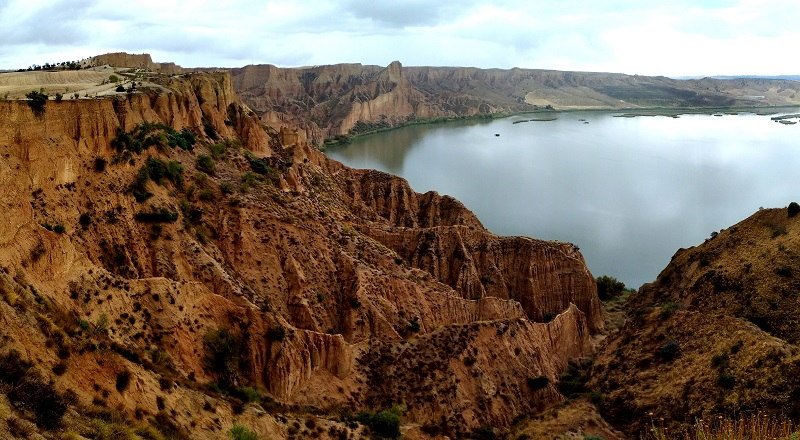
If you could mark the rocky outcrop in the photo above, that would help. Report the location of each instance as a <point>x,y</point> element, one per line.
<point>135,61</point>
<point>544,277</point>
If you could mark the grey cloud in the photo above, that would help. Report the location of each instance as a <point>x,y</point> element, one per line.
<point>412,13</point>
<point>57,23</point>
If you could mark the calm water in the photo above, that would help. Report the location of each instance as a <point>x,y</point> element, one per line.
<point>628,191</point>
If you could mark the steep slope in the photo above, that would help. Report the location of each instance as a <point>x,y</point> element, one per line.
<point>716,333</point>
<point>166,257</point>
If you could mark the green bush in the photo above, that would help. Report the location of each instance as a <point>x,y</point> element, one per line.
<point>139,186</point>
<point>29,391</point>
<point>224,355</point>
<point>149,134</point>
<point>239,432</point>
<point>183,139</point>
<point>609,287</point>
<point>205,164</point>
<point>385,423</point>
<point>218,150</point>
<point>793,209</point>
<point>260,166</point>
<point>160,215</point>
<point>158,169</point>
<point>37,102</point>
<point>537,383</point>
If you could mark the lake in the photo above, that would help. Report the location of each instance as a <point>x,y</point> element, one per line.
<point>629,191</point>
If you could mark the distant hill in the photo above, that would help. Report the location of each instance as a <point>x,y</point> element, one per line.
<point>776,77</point>
<point>342,99</point>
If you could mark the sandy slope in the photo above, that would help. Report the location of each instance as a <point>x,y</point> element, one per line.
<point>84,82</point>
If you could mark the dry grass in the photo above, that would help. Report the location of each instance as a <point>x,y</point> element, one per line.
<point>753,427</point>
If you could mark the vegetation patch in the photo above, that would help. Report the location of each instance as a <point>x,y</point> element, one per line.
<point>160,215</point>
<point>28,390</point>
<point>385,423</point>
<point>147,134</point>
<point>37,102</point>
<point>225,356</point>
<point>239,432</point>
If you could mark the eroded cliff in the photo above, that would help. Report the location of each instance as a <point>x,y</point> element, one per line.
<point>138,232</point>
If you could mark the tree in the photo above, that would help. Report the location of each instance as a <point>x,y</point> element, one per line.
<point>793,209</point>
<point>609,287</point>
<point>224,355</point>
<point>37,102</point>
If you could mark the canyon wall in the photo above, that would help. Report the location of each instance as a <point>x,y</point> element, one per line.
<point>111,263</point>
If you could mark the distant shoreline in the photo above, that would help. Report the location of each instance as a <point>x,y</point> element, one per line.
<point>343,140</point>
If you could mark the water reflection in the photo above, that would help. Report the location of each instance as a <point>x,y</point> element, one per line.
<point>628,191</point>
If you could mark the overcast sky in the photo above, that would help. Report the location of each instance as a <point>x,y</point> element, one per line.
<point>650,37</point>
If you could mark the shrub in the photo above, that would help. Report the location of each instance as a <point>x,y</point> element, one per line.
<point>484,432</point>
<point>537,383</point>
<point>99,164</point>
<point>218,150</point>
<point>183,139</point>
<point>260,166</point>
<point>413,325</point>
<point>160,215</point>
<point>113,78</point>
<point>59,229</point>
<point>123,380</point>
<point>156,169</point>
<point>239,432</point>
<point>205,164</point>
<point>726,380</point>
<point>224,355</point>
<point>793,209</point>
<point>385,423</point>
<point>120,88</point>
<point>669,351</point>
<point>28,390</point>
<point>37,102</point>
<point>277,333</point>
<point>752,426</point>
<point>139,186</point>
<point>59,97</point>
<point>668,309</point>
<point>572,382</point>
<point>609,287</point>
<point>85,220</point>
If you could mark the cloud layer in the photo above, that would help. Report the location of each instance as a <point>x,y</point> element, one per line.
<point>679,37</point>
